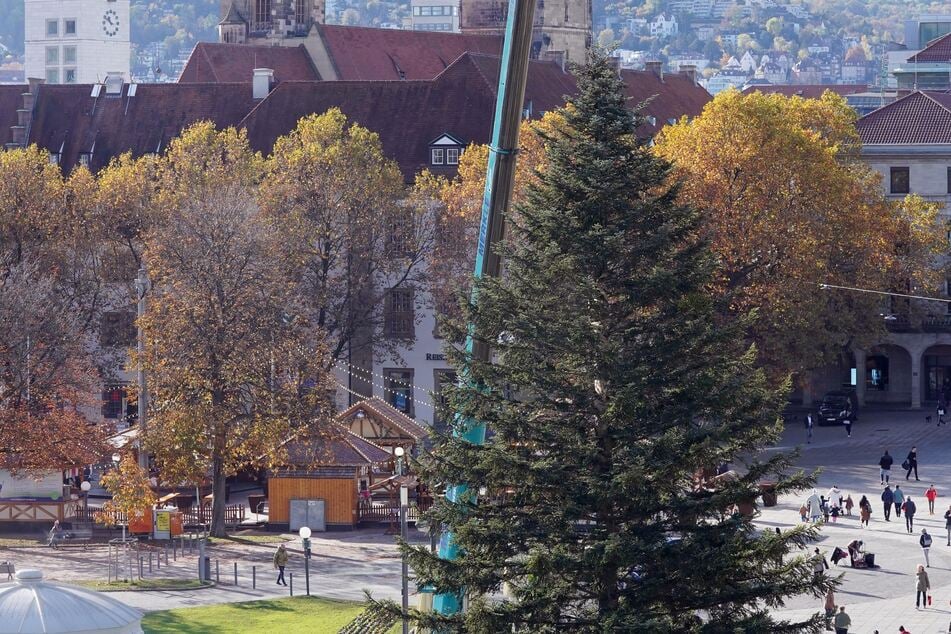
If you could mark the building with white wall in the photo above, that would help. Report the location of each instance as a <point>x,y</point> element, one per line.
<point>77,41</point>
<point>435,15</point>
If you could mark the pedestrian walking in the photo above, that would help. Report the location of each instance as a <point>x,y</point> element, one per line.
<point>910,510</point>
<point>815,506</point>
<point>819,564</point>
<point>280,561</point>
<point>922,586</point>
<point>55,534</point>
<point>888,498</point>
<point>932,495</point>
<point>899,499</point>
<point>947,523</point>
<point>911,463</point>
<point>803,512</point>
<point>842,621</point>
<point>940,413</point>
<point>885,466</point>
<point>830,608</point>
<point>849,504</point>
<point>865,511</point>
<point>925,542</point>
<point>809,424</point>
<point>901,630</point>
<point>848,427</point>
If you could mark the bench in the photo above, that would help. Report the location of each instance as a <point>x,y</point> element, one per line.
<point>78,534</point>
<point>9,568</point>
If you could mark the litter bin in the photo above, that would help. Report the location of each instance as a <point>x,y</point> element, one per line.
<point>206,569</point>
<point>768,491</point>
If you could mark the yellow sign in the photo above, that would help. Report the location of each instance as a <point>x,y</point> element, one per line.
<point>163,522</point>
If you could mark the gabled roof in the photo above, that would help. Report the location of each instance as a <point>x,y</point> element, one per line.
<point>923,117</point>
<point>66,118</point>
<point>11,98</point>
<point>387,412</point>
<point>671,97</point>
<point>406,114</point>
<point>361,53</point>
<point>214,62</point>
<point>937,51</point>
<point>336,447</point>
<point>806,91</point>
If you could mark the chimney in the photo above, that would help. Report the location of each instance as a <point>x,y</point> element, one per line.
<point>20,131</point>
<point>262,82</point>
<point>690,70</point>
<point>655,66</point>
<point>555,56</point>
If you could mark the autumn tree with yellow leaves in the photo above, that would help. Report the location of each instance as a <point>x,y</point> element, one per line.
<point>50,299</point>
<point>348,234</point>
<point>235,365</point>
<point>131,493</point>
<point>789,205</point>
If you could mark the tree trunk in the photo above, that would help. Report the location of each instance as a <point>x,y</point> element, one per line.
<point>218,500</point>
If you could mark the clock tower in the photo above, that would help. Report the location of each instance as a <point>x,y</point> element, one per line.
<point>77,41</point>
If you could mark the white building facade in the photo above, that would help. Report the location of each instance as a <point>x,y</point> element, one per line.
<point>435,15</point>
<point>77,41</point>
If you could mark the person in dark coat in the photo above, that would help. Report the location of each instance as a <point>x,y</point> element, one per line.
<point>888,498</point>
<point>912,461</point>
<point>910,510</point>
<point>885,466</point>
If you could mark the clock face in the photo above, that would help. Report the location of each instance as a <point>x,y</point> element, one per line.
<point>110,23</point>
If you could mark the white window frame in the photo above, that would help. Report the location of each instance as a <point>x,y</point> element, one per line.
<point>55,57</point>
<point>66,57</point>
<point>66,21</point>
<point>75,78</point>
<point>452,156</point>
<point>52,75</point>
<point>437,156</point>
<point>55,30</point>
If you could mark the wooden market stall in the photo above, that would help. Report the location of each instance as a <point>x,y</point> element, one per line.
<point>329,468</point>
<point>384,425</point>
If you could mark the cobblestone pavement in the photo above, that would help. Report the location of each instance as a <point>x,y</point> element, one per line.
<point>881,599</point>
<point>342,567</point>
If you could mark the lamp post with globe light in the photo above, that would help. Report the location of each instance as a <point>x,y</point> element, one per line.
<point>304,533</point>
<point>85,487</point>
<point>404,501</point>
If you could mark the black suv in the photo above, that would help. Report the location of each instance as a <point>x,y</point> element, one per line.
<point>835,408</point>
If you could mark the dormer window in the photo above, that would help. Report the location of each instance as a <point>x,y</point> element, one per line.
<point>54,158</point>
<point>85,158</point>
<point>445,150</point>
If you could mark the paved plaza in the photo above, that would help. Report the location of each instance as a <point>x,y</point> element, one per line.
<point>884,598</point>
<point>342,567</point>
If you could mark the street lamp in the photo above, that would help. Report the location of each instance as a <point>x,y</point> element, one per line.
<point>304,533</point>
<point>85,486</point>
<point>404,501</point>
<point>116,459</point>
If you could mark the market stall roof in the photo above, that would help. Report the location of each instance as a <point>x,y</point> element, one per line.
<point>377,420</point>
<point>335,447</point>
<point>33,605</point>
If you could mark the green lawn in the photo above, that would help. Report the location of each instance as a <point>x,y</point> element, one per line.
<point>298,615</point>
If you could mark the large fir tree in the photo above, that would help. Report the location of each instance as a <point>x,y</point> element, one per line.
<point>611,388</point>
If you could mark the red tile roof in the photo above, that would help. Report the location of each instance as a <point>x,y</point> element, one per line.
<point>918,118</point>
<point>360,53</point>
<point>67,117</point>
<point>10,100</point>
<point>212,62</point>
<point>407,115</point>
<point>668,98</point>
<point>937,51</point>
<point>807,91</point>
